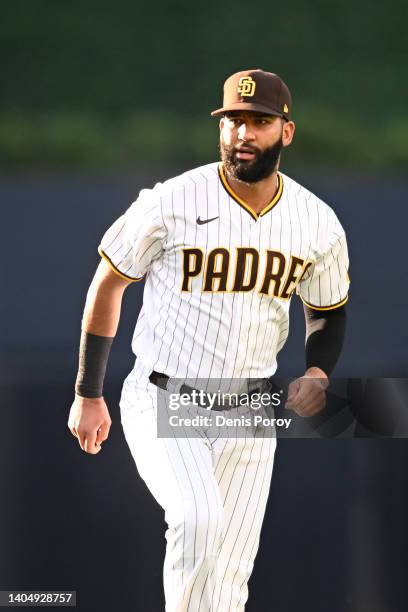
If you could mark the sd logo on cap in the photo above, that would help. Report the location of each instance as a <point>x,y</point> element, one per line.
<point>256,90</point>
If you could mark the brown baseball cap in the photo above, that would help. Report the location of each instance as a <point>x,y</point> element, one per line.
<point>256,90</point>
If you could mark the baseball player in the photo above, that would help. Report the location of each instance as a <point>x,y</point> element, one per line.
<point>221,250</point>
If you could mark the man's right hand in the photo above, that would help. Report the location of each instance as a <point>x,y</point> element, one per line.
<point>90,422</point>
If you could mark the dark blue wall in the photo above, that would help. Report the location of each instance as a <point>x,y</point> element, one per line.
<point>335,534</point>
<point>51,230</point>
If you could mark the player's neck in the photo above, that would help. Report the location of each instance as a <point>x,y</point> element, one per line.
<point>256,195</point>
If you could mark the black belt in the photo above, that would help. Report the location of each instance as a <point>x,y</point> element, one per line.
<point>161,380</point>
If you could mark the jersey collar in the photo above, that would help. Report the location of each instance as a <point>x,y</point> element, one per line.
<point>244,204</point>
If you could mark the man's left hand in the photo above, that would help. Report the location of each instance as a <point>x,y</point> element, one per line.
<point>307,395</point>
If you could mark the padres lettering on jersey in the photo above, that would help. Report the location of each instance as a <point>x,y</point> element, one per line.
<point>219,277</point>
<point>245,271</point>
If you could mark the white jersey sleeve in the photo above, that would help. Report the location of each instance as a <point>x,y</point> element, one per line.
<point>325,283</point>
<point>136,238</point>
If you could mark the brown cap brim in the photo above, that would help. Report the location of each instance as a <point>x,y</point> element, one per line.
<point>248,106</point>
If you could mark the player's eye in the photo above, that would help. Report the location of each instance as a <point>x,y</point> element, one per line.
<point>235,120</point>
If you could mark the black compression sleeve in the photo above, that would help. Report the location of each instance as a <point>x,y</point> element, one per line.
<point>93,359</point>
<point>325,330</point>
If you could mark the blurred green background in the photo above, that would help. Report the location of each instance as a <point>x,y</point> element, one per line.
<point>100,85</point>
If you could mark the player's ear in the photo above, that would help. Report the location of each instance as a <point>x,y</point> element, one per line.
<point>288,131</point>
<point>222,122</point>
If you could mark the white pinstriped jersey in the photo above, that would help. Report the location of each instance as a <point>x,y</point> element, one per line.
<point>219,277</point>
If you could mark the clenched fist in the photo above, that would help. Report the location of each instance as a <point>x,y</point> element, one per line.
<point>90,422</point>
<point>307,395</point>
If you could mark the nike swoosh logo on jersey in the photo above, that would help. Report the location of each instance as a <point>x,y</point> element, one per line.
<point>204,221</point>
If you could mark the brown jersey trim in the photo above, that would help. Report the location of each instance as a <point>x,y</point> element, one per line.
<point>118,272</point>
<point>244,204</point>
<point>331,307</point>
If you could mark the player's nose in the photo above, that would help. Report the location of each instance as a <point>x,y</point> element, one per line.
<point>245,132</point>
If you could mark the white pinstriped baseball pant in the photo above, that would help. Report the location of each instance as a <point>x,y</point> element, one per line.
<point>214,493</point>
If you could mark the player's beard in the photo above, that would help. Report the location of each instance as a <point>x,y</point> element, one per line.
<point>251,171</point>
